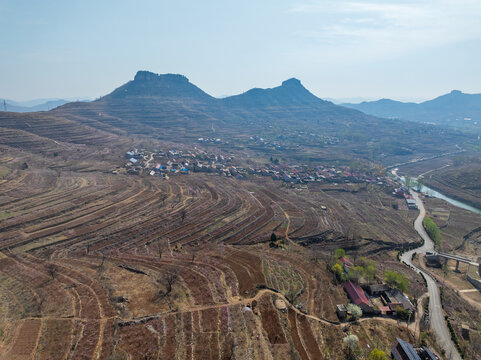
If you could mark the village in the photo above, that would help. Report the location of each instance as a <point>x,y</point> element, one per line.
<point>168,162</point>
<point>370,297</point>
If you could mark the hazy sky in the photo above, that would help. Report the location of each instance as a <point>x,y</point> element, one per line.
<point>398,49</point>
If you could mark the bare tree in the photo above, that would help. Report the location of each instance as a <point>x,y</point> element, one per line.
<point>159,249</point>
<point>48,253</point>
<point>41,301</point>
<point>163,197</point>
<point>193,254</point>
<point>166,282</point>
<point>183,214</point>
<point>101,267</point>
<point>52,270</point>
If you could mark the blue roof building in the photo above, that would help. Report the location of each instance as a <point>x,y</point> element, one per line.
<point>402,350</point>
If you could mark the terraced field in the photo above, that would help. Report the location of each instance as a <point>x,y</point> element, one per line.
<point>97,265</point>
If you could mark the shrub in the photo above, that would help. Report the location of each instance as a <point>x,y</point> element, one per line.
<point>338,271</point>
<point>377,354</point>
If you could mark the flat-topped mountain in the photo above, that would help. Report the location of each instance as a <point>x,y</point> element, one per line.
<point>147,84</point>
<point>456,109</point>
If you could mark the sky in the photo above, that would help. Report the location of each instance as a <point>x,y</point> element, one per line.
<point>339,49</point>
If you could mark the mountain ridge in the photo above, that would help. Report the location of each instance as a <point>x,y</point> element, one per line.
<point>169,107</point>
<point>455,109</point>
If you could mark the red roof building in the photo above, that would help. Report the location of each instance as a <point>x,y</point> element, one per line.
<point>345,261</point>
<point>358,297</point>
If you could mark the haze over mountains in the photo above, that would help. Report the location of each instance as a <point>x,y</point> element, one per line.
<point>32,105</point>
<point>456,110</point>
<point>169,107</point>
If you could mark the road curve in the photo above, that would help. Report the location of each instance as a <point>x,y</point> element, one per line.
<point>438,323</point>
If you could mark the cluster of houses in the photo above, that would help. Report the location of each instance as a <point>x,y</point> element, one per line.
<point>381,300</point>
<point>299,136</point>
<point>207,140</point>
<point>373,299</point>
<point>402,192</point>
<point>176,162</point>
<point>184,162</point>
<point>302,174</point>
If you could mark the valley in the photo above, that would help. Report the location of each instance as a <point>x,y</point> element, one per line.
<point>159,222</point>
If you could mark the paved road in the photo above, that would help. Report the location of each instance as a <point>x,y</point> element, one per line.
<point>438,324</point>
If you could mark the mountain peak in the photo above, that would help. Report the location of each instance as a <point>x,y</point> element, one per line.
<point>456,92</point>
<point>158,86</point>
<point>292,82</point>
<point>143,75</point>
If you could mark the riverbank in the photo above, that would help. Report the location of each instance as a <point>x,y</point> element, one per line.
<point>454,194</point>
<point>423,188</point>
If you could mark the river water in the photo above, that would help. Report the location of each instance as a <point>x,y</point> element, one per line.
<point>431,192</point>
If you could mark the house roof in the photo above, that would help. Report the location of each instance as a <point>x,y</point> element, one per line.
<point>345,261</point>
<point>356,294</point>
<point>401,298</point>
<point>403,350</point>
<point>429,353</point>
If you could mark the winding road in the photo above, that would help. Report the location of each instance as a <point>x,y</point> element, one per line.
<point>438,324</point>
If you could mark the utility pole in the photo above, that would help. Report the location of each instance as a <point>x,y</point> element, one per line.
<point>4,105</point>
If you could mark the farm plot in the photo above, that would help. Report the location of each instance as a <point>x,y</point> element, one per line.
<point>96,265</point>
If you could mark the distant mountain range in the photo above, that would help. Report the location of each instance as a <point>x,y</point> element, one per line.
<point>169,107</point>
<point>456,110</point>
<point>32,105</point>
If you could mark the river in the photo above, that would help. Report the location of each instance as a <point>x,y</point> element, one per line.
<point>431,192</point>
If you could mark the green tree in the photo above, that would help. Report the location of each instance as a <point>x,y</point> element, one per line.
<point>350,346</point>
<point>355,274</point>
<point>339,253</point>
<point>396,280</point>
<point>377,354</point>
<point>367,268</point>
<point>355,311</point>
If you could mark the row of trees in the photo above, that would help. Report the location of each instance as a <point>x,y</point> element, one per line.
<point>395,280</point>
<point>432,229</point>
